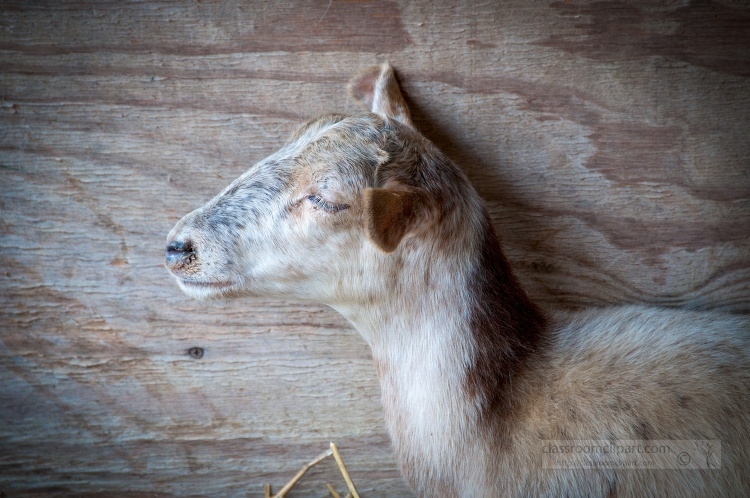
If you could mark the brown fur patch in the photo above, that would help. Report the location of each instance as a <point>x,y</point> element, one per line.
<point>507,327</point>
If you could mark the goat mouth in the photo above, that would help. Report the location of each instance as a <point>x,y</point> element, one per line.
<point>206,284</point>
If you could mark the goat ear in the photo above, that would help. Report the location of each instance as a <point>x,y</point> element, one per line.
<point>391,214</point>
<point>377,89</point>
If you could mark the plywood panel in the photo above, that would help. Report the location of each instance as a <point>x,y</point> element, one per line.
<point>609,139</point>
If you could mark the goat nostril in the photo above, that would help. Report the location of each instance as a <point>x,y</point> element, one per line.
<point>180,252</point>
<point>180,246</point>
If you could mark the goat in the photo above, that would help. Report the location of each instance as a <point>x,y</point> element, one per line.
<point>364,214</point>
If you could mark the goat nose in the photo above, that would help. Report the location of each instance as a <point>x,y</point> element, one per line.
<point>180,253</point>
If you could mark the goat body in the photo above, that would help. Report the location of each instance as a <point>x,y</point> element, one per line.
<point>366,215</point>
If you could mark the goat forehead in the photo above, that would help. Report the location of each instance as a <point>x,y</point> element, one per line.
<point>330,154</point>
<point>342,150</point>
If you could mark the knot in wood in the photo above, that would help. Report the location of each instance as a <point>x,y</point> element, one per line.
<point>196,353</point>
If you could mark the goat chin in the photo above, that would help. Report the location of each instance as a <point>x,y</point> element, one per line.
<point>365,214</point>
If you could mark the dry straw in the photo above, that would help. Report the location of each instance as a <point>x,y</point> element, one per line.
<point>333,450</point>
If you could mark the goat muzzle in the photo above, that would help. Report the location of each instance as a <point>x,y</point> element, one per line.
<point>180,255</point>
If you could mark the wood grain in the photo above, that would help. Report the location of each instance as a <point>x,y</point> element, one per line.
<point>609,139</point>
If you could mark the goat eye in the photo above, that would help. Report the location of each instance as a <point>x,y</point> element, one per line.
<point>325,205</point>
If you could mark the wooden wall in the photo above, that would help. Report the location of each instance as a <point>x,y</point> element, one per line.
<point>610,140</point>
